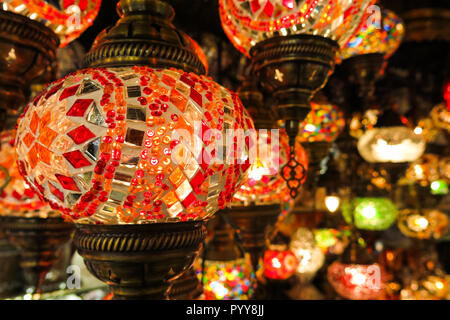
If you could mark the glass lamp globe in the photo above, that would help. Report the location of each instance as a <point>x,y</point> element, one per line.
<point>247,22</point>
<point>310,257</point>
<point>67,18</point>
<point>264,184</point>
<point>323,123</point>
<point>356,281</point>
<point>394,144</point>
<point>279,263</point>
<point>376,37</point>
<point>376,213</point>
<point>133,145</point>
<point>17,198</point>
<point>227,280</point>
<point>423,224</point>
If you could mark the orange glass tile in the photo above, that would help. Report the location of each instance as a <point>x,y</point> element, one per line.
<point>47,136</point>
<point>34,123</point>
<point>45,119</point>
<point>178,100</point>
<point>28,139</point>
<point>177,177</point>
<point>170,199</point>
<point>44,154</point>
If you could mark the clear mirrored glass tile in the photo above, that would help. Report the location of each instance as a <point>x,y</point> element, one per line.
<point>136,113</point>
<point>94,116</point>
<point>133,91</point>
<point>134,136</point>
<point>89,86</point>
<point>92,148</point>
<point>72,198</point>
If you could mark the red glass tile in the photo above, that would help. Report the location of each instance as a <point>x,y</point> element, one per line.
<point>76,159</point>
<point>186,80</point>
<point>255,5</point>
<point>68,92</point>
<point>67,182</point>
<point>198,179</point>
<point>268,9</point>
<point>53,90</point>
<point>81,134</point>
<point>56,192</point>
<point>79,107</point>
<point>190,199</point>
<point>197,97</point>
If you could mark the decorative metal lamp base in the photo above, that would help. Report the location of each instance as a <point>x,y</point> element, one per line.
<point>38,241</point>
<point>27,52</point>
<point>253,223</point>
<point>145,35</point>
<point>292,69</point>
<point>186,287</point>
<point>139,261</point>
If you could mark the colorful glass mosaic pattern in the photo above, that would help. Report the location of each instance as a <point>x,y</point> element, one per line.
<point>382,36</point>
<point>279,264</point>
<point>423,224</point>
<point>17,198</point>
<point>370,213</point>
<point>247,22</point>
<point>265,184</point>
<point>357,281</point>
<point>323,123</point>
<point>227,280</point>
<point>134,145</point>
<point>67,18</point>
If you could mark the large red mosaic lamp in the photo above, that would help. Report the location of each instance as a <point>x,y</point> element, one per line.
<point>124,150</point>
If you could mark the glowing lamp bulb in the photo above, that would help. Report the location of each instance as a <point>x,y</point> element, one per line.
<point>332,203</point>
<point>369,212</point>
<point>421,222</point>
<point>276,263</point>
<point>418,130</point>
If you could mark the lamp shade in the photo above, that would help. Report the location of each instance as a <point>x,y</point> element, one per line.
<point>17,198</point>
<point>423,224</point>
<point>323,123</point>
<point>67,18</point>
<point>390,144</point>
<point>134,145</point>
<point>247,22</point>
<point>370,213</point>
<point>228,280</point>
<point>357,281</point>
<point>310,257</point>
<point>279,264</point>
<point>265,184</point>
<point>382,36</point>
